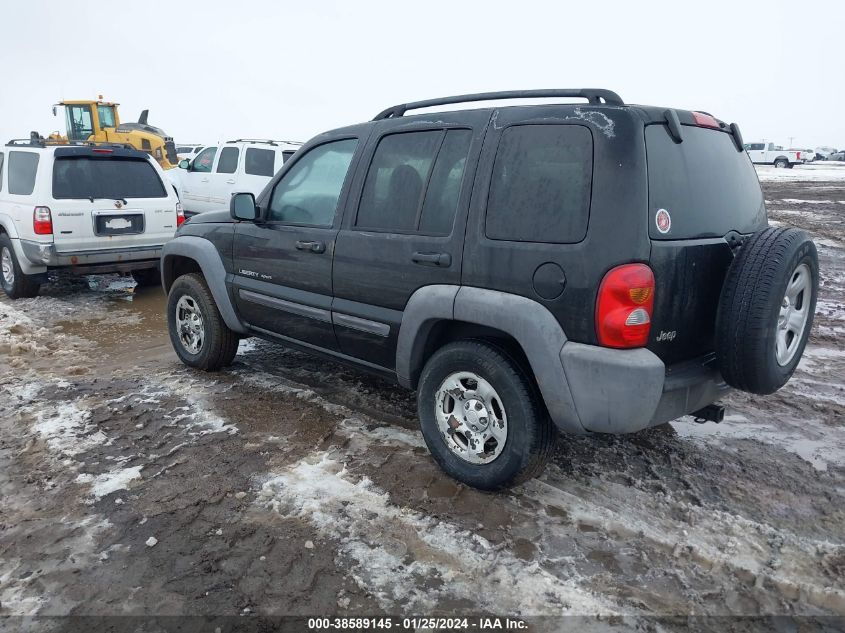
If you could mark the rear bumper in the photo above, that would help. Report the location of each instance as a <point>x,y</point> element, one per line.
<point>123,259</point>
<point>622,391</point>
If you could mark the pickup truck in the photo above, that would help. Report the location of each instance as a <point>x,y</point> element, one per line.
<point>771,154</point>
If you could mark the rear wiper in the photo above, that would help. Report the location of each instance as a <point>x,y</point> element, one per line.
<point>123,200</point>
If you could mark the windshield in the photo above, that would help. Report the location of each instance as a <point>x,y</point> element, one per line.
<point>112,178</point>
<point>707,186</point>
<point>106,116</point>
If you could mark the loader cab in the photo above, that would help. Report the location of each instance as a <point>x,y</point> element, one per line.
<point>85,119</point>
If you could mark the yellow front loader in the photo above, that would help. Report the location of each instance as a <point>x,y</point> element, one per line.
<point>98,121</point>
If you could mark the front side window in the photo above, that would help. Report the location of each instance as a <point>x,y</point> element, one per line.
<point>414,181</point>
<point>228,162</point>
<point>22,169</point>
<point>309,192</point>
<point>259,162</point>
<point>79,125</point>
<point>106,116</point>
<point>542,179</point>
<point>204,160</point>
<point>80,178</point>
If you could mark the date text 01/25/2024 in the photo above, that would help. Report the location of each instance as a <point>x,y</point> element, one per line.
<point>485,623</point>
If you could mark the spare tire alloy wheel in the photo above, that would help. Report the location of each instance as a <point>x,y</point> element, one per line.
<point>766,309</point>
<point>189,324</point>
<point>471,417</point>
<point>794,314</point>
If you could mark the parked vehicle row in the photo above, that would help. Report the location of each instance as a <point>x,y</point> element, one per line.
<point>207,181</point>
<point>597,268</point>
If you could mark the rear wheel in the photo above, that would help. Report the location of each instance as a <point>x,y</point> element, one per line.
<point>147,277</point>
<point>197,331</point>
<point>481,416</point>
<point>766,309</point>
<point>781,163</point>
<point>16,284</point>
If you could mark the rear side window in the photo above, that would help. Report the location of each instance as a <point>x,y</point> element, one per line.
<point>414,182</point>
<point>78,178</point>
<point>542,179</point>
<point>22,169</point>
<point>228,162</point>
<point>1,171</point>
<point>706,185</point>
<point>259,162</point>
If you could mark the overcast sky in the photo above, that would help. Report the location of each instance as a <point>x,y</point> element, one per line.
<point>211,70</point>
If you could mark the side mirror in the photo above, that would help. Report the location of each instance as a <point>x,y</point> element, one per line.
<point>242,207</point>
<point>184,164</point>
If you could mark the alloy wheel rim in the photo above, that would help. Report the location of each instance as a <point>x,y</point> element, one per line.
<point>793,315</point>
<point>471,417</point>
<point>189,324</point>
<point>8,266</point>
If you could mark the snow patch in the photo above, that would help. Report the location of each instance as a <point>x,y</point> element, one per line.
<point>109,482</point>
<point>386,542</point>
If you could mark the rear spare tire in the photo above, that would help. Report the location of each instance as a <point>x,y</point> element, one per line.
<point>766,309</point>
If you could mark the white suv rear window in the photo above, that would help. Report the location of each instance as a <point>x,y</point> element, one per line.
<point>80,177</point>
<point>22,169</point>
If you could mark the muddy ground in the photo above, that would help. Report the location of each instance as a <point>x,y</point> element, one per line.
<point>132,485</point>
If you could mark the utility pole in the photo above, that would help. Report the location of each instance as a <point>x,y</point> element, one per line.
<point>790,140</point>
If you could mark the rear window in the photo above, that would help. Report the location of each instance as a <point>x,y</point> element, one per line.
<point>706,185</point>
<point>542,179</point>
<point>259,162</point>
<point>22,169</point>
<point>228,162</point>
<point>79,178</point>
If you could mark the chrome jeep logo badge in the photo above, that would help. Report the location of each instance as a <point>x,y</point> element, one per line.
<point>118,204</point>
<point>663,220</point>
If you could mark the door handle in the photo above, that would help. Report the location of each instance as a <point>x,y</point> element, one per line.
<point>231,181</point>
<point>204,180</point>
<point>432,259</point>
<point>314,247</point>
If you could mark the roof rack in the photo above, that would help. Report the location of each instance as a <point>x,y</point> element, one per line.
<point>269,141</point>
<point>593,95</point>
<point>36,140</point>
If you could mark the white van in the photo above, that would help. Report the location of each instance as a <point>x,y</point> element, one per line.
<point>207,182</point>
<point>87,208</point>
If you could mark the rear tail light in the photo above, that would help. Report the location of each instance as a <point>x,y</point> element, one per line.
<point>798,155</point>
<point>624,306</point>
<point>180,215</point>
<point>42,221</point>
<point>705,120</point>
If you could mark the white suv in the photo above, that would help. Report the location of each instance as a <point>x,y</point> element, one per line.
<point>207,182</point>
<point>89,208</point>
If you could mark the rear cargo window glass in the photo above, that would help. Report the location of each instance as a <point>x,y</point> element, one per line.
<point>22,169</point>
<point>540,190</point>
<point>78,178</point>
<point>259,162</point>
<point>706,185</point>
<point>414,181</point>
<point>308,193</point>
<point>228,162</point>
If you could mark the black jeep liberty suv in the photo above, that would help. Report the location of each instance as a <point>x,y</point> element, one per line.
<point>592,268</point>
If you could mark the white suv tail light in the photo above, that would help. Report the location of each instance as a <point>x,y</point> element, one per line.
<point>42,221</point>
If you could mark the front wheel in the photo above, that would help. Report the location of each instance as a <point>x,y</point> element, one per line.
<point>481,416</point>
<point>15,283</point>
<point>197,331</point>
